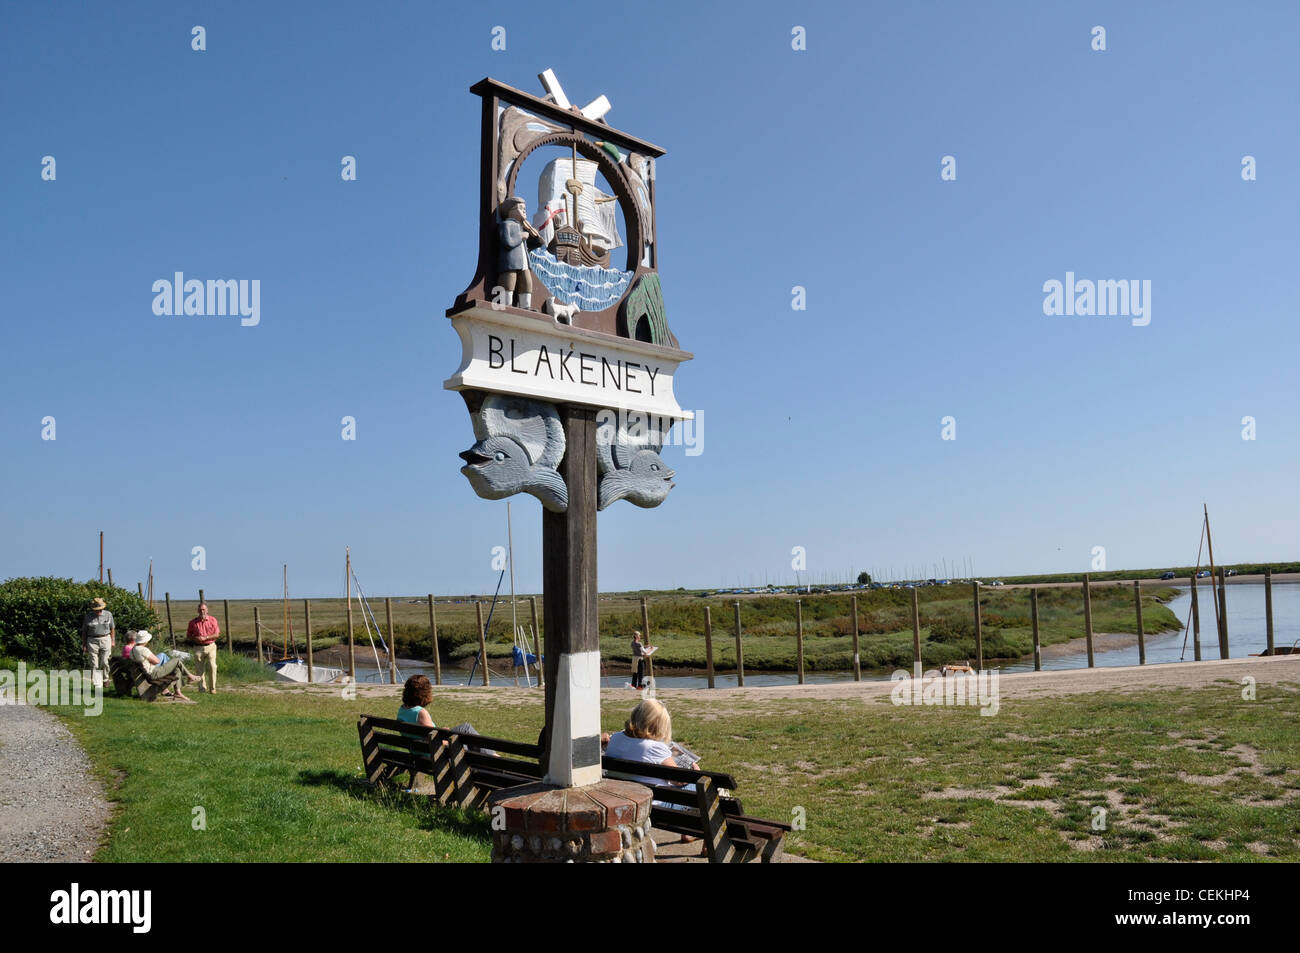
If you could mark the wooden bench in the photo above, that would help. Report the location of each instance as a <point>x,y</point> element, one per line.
<point>129,675</point>
<point>730,835</point>
<point>466,769</point>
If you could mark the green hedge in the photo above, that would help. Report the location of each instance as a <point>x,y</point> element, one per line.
<point>40,618</point>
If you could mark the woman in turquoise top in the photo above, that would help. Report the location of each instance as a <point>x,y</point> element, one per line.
<point>415,695</point>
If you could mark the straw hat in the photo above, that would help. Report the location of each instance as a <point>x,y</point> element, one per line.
<point>142,637</point>
<point>98,604</point>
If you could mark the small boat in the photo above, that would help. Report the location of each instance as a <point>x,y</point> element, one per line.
<point>1292,649</point>
<point>295,670</point>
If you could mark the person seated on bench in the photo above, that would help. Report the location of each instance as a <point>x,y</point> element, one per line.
<point>155,668</point>
<point>647,736</point>
<point>129,647</point>
<point>416,693</point>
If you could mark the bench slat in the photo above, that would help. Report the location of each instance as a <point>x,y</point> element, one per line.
<point>663,772</point>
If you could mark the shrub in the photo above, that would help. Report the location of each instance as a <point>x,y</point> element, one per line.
<point>949,629</point>
<point>40,618</point>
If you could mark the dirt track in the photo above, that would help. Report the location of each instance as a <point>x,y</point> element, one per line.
<point>1265,671</point>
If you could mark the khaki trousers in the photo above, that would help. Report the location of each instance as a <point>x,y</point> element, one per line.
<point>98,651</point>
<point>205,659</point>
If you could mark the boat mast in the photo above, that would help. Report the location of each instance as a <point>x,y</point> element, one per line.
<point>514,619</point>
<point>574,185</point>
<point>1214,588</point>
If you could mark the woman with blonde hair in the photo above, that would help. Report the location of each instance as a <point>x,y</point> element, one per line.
<point>647,736</point>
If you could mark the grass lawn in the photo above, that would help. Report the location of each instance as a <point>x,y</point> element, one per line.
<point>1183,774</point>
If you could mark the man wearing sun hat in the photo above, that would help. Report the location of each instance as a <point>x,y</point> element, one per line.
<point>97,630</point>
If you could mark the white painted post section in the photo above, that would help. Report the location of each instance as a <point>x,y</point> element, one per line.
<point>575,733</point>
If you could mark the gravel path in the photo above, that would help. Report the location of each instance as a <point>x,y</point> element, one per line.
<point>51,807</point>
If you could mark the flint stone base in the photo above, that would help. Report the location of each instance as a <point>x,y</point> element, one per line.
<point>604,823</point>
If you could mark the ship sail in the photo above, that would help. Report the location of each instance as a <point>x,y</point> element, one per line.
<point>597,211</point>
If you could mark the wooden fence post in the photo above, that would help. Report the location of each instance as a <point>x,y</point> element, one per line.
<point>708,646</point>
<point>537,641</point>
<point>201,599</point>
<point>257,629</point>
<point>857,660</point>
<point>645,637</point>
<point>979,631</point>
<point>1223,613</point>
<point>1268,608</point>
<point>433,631</point>
<point>740,654</point>
<point>139,587</point>
<point>482,638</point>
<point>1033,613</point>
<point>171,633</point>
<point>392,641</point>
<point>230,637</point>
<point>916,635</point>
<point>110,575</point>
<point>798,634</point>
<point>351,641</point>
<point>1087,618</point>
<point>306,611</point>
<point>1142,643</point>
<point>1196,620</point>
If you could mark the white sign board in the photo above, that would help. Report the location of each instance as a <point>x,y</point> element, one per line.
<point>511,353</point>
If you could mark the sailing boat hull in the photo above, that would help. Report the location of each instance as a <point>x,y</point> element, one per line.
<point>295,670</point>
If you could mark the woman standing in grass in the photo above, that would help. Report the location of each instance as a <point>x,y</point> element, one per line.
<point>638,660</point>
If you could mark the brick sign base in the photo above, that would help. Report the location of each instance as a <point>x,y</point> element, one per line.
<point>604,823</point>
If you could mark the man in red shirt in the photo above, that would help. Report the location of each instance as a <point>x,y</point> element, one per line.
<point>202,633</point>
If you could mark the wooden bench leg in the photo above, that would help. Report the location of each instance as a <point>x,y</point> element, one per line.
<point>370,760</point>
<point>772,849</point>
<point>465,793</point>
<point>444,787</point>
<point>717,845</point>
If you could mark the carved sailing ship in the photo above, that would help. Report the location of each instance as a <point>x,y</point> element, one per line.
<point>588,226</point>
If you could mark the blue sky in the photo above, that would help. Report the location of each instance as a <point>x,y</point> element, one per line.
<point>818,168</point>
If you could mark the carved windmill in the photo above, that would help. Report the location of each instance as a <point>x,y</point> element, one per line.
<point>558,337</point>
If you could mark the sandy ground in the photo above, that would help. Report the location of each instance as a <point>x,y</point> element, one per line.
<point>1265,671</point>
<point>51,807</point>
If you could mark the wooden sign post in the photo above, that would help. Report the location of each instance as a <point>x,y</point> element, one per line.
<point>567,370</point>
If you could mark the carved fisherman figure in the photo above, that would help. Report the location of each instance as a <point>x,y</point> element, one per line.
<point>513,234</point>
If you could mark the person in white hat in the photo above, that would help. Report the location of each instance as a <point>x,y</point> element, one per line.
<point>157,668</point>
<point>97,631</point>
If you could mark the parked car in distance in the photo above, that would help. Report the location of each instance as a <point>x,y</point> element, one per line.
<point>1231,572</point>
<point>1202,574</point>
<point>1167,575</point>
